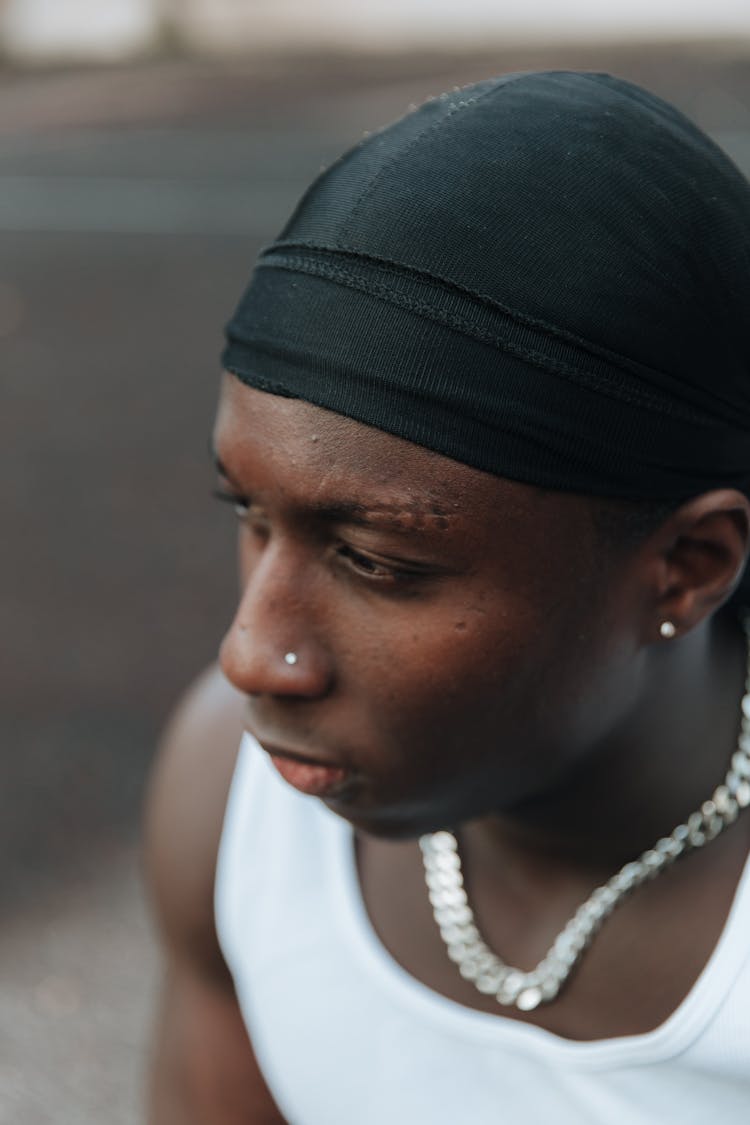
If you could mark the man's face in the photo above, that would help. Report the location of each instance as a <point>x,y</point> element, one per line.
<point>459,639</point>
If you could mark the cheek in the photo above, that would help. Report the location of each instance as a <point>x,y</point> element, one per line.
<point>511,697</point>
<point>441,733</point>
<point>444,685</point>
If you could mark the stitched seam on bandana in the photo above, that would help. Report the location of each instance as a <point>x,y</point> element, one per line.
<point>420,137</point>
<point>662,404</point>
<point>599,383</point>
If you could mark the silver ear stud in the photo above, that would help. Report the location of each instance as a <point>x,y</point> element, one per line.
<point>667,630</point>
<point>290,658</point>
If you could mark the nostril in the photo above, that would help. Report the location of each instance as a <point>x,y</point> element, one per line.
<point>260,663</point>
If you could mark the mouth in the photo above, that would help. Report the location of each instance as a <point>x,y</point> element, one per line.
<point>305,774</point>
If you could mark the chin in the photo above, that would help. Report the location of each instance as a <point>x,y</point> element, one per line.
<point>407,822</point>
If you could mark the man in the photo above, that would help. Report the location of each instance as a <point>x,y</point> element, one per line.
<point>484,424</point>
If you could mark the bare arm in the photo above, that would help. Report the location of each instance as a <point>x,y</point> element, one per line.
<point>204,1071</point>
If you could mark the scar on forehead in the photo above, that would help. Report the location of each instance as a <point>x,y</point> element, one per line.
<point>411,515</point>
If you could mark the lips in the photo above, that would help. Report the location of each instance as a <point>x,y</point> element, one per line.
<point>315,778</point>
<point>316,781</point>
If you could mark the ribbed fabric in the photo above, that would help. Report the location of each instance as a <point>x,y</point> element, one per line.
<point>545,276</point>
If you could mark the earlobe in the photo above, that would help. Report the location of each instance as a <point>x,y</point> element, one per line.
<point>704,547</point>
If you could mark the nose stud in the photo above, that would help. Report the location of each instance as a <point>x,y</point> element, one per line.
<point>290,658</point>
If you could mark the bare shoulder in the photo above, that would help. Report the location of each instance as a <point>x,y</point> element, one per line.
<point>185,811</point>
<point>203,1065</point>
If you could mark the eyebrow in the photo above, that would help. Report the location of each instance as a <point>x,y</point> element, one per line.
<point>395,515</point>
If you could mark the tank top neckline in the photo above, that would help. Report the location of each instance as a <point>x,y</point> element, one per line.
<point>671,1037</point>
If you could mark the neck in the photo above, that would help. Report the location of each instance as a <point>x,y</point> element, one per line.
<point>649,774</point>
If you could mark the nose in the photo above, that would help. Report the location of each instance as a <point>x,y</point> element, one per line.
<point>273,646</point>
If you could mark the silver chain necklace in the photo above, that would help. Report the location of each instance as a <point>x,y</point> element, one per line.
<point>513,987</point>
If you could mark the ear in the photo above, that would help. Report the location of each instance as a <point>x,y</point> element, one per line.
<point>700,553</point>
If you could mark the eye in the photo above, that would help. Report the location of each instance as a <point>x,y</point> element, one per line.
<point>365,564</point>
<point>375,569</point>
<point>241,504</point>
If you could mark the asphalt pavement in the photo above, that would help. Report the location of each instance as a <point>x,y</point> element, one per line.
<point>132,204</point>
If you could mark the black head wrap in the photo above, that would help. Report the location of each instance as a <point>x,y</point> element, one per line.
<point>545,276</point>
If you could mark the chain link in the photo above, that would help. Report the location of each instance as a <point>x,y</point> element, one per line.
<point>526,990</point>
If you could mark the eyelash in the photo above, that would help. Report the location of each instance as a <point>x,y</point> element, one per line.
<point>240,504</point>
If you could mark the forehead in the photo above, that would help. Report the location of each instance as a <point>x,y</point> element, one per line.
<point>266,440</point>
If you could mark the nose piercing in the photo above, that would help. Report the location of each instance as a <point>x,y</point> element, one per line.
<point>290,658</point>
<point>667,630</point>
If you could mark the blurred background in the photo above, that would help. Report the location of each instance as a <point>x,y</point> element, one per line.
<point>147,149</point>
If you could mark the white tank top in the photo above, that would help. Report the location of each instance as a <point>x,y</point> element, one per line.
<point>345,1036</point>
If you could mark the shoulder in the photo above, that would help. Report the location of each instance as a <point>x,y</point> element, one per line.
<point>184,814</point>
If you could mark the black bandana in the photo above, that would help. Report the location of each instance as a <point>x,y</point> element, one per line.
<point>545,276</point>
